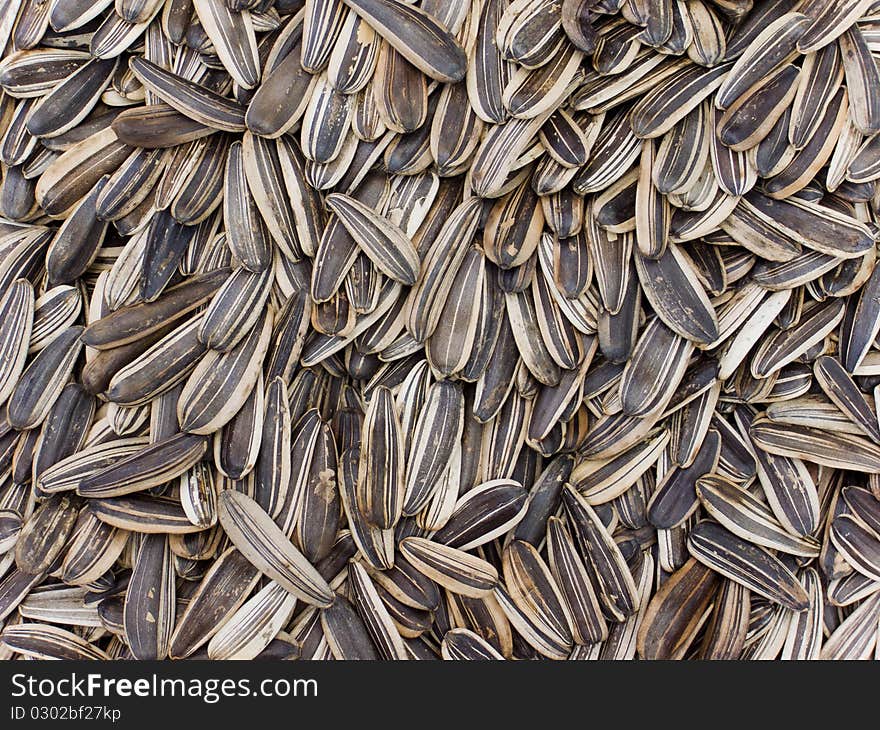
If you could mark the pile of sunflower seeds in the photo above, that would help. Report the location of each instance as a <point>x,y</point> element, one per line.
<point>462,329</point>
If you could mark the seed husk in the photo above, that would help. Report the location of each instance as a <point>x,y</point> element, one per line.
<point>529,329</point>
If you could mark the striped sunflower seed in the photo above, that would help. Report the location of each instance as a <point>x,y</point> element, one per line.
<point>479,328</point>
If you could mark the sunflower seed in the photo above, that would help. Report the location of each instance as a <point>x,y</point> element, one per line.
<point>481,328</point>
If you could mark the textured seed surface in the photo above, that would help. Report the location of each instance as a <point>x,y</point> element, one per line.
<point>379,329</point>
